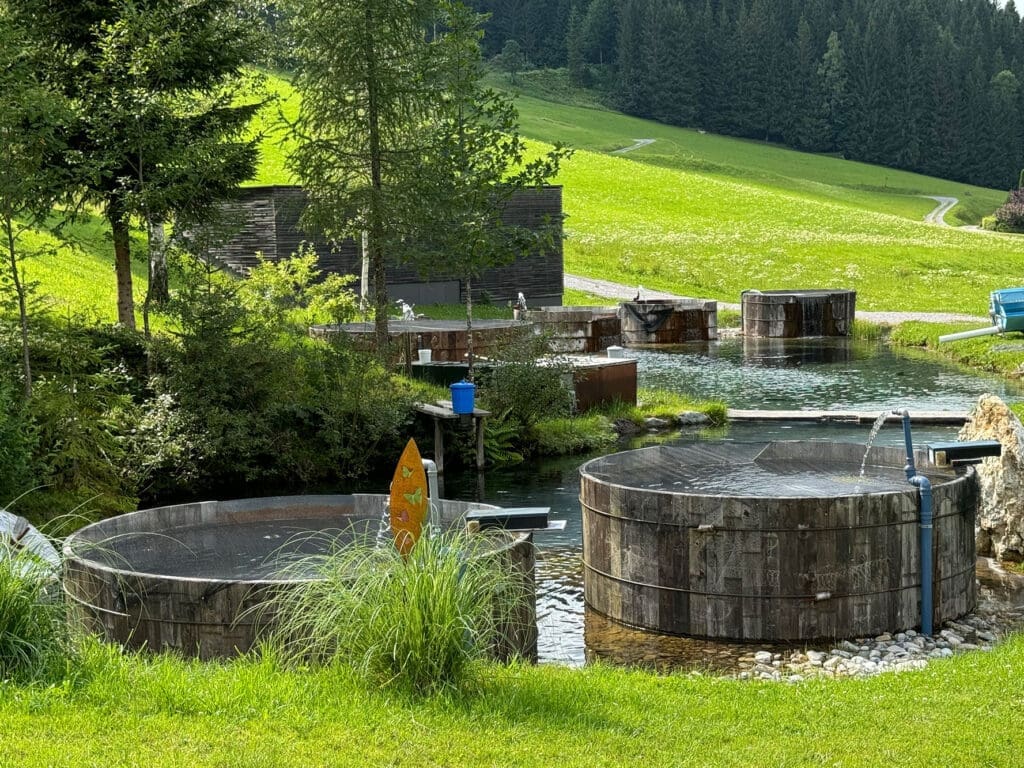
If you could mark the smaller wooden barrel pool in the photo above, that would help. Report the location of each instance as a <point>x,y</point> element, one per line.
<point>783,541</point>
<point>659,321</point>
<point>798,313</point>
<point>190,577</point>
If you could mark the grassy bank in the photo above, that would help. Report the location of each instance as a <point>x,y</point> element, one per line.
<point>1002,355</point>
<point>171,713</point>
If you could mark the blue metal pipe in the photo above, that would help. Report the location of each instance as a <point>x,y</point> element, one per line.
<point>924,487</point>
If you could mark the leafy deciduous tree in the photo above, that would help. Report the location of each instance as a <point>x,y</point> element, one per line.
<point>157,89</point>
<point>511,59</point>
<point>30,183</point>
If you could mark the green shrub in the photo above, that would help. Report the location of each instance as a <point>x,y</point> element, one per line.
<point>17,442</point>
<point>526,384</point>
<point>34,641</point>
<point>1010,217</point>
<point>578,434</point>
<point>415,624</point>
<point>83,408</point>
<point>503,441</point>
<point>257,399</point>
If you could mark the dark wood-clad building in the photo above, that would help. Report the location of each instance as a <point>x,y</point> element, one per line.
<point>266,220</point>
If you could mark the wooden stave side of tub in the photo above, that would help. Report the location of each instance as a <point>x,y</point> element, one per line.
<point>649,564</point>
<point>689,320</point>
<point>212,619</point>
<point>798,314</point>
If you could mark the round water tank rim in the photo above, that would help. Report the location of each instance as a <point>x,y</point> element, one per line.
<point>909,491</point>
<point>98,567</point>
<point>940,478</point>
<point>799,292</point>
<point>85,562</point>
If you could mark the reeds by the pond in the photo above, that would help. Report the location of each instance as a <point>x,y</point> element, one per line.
<point>418,624</point>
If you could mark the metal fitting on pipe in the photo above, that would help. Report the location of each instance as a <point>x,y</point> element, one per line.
<point>433,498</point>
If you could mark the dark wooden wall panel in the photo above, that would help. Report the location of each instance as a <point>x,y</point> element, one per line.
<point>266,220</point>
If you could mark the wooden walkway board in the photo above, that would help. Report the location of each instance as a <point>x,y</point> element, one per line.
<point>442,411</point>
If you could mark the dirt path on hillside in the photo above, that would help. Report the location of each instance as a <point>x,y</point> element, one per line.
<point>621,292</point>
<point>938,214</point>
<point>639,143</point>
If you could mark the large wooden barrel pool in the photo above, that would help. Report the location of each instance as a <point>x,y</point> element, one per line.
<point>190,578</point>
<point>783,541</point>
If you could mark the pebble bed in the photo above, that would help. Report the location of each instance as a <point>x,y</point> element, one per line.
<point>979,631</point>
<point>870,656</point>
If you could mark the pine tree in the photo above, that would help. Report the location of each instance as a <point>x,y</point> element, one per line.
<point>1006,158</point>
<point>359,127</point>
<point>600,33</point>
<point>834,83</point>
<point>805,124</point>
<point>575,56</point>
<point>630,92</point>
<point>676,102</point>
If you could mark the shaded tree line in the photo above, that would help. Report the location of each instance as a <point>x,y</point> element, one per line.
<point>933,86</point>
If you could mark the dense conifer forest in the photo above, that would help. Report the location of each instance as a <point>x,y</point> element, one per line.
<point>933,86</point>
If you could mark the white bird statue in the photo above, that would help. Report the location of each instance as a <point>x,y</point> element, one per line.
<point>407,311</point>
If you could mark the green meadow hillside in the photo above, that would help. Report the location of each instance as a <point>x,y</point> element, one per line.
<point>710,216</point>
<point>704,215</point>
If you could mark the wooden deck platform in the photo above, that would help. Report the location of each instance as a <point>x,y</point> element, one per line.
<point>441,411</point>
<point>859,417</point>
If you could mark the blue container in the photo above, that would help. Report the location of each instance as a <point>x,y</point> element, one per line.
<point>463,394</point>
<point>1007,309</point>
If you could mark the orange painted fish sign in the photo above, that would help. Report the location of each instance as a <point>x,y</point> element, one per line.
<point>410,504</point>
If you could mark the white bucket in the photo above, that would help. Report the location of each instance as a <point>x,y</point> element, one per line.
<point>425,355</point>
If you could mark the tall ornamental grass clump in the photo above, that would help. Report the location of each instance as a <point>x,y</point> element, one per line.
<point>418,624</point>
<point>34,642</point>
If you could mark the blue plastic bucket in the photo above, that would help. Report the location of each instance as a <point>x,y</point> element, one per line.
<point>463,393</point>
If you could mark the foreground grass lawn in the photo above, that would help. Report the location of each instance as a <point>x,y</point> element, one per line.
<point>963,712</point>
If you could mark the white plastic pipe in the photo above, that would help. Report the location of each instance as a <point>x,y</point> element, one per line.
<point>969,334</point>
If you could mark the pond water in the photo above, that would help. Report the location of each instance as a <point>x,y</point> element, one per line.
<point>833,374</point>
<point>827,374</point>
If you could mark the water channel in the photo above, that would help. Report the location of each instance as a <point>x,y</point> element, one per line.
<point>815,374</point>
